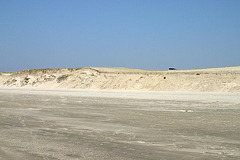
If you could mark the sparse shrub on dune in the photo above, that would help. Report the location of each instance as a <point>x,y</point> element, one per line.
<point>62,78</point>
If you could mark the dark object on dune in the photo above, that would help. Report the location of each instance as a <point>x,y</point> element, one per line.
<point>62,78</point>
<point>172,69</point>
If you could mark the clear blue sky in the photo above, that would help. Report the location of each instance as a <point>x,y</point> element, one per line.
<point>144,34</point>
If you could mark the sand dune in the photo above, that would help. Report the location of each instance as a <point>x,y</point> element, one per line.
<point>225,79</point>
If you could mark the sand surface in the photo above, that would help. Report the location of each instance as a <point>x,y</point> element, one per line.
<point>200,80</point>
<point>99,125</point>
<point>99,113</point>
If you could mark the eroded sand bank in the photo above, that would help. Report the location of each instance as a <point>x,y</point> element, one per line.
<point>202,80</point>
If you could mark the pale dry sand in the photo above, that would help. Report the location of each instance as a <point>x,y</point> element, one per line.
<point>200,80</point>
<point>100,113</point>
<point>98,125</point>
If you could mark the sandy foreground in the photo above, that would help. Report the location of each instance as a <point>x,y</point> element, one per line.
<point>99,125</point>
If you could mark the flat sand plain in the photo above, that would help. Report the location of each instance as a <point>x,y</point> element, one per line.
<point>99,125</point>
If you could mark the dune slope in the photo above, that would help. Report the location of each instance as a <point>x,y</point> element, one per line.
<point>201,80</point>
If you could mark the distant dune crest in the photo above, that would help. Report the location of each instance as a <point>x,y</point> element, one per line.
<point>225,79</point>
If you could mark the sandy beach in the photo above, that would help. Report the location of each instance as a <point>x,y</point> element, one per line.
<point>87,124</point>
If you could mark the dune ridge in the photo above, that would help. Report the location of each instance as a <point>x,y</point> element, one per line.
<point>225,79</point>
